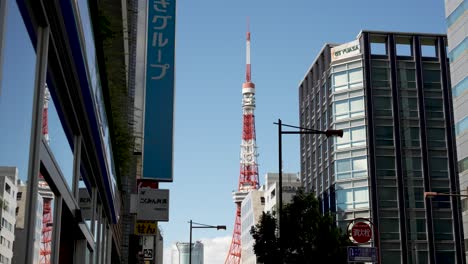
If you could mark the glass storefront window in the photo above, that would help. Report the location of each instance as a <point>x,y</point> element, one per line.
<point>59,144</point>
<point>16,97</point>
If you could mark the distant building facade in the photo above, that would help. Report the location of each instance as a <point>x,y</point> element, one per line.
<point>19,229</point>
<point>8,176</point>
<point>184,252</point>
<point>457,32</point>
<point>390,93</point>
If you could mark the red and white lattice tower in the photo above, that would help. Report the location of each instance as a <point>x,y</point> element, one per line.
<point>248,178</point>
<point>46,194</point>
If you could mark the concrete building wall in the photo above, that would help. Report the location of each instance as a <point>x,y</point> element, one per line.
<point>251,211</point>
<point>457,22</point>
<point>8,176</point>
<point>20,231</point>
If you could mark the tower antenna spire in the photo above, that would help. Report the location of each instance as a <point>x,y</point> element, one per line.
<point>248,178</point>
<point>247,54</point>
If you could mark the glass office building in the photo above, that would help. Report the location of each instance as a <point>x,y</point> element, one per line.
<point>390,93</point>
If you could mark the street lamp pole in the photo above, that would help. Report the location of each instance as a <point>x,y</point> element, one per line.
<point>301,131</point>
<point>198,225</point>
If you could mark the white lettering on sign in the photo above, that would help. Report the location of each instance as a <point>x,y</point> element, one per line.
<point>159,23</point>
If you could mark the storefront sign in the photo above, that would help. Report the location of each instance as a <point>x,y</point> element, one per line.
<point>144,227</point>
<point>85,204</point>
<point>159,91</point>
<point>344,51</point>
<point>153,204</point>
<point>148,247</point>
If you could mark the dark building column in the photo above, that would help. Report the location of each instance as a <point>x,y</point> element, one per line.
<point>392,57</point>
<point>365,43</point>
<point>424,147</point>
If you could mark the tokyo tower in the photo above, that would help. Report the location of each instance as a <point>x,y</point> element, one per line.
<point>248,178</point>
<point>46,194</point>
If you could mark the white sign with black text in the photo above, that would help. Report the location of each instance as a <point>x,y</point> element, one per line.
<point>148,247</point>
<point>153,204</point>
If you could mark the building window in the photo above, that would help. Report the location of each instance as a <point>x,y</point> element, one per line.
<point>19,195</point>
<point>461,126</point>
<point>463,165</point>
<point>352,137</point>
<point>354,198</point>
<point>410,136</point>
<point>385,166</point>
<point>7,188</point>
<point>434,107</point>
<point>383,106</point>
<point>384,135</point>
<point>349,108</point>
<point>409,107</point>
<point>351,168</point>
<point>347,76</point>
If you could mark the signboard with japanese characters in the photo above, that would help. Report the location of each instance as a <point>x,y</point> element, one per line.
<point>159,91</point>
<point>362,254</point>
<point>361,232</point>
<point>85,204</point>
<point>145,227</point>
<point>148,247</point>
<point>153,204</point>
<point>344,51</point>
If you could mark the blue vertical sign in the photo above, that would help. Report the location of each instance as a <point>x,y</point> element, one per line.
<point>159,91</point>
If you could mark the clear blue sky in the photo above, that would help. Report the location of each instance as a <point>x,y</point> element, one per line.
<point>286,37</point>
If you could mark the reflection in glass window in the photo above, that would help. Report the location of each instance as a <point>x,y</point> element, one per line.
<point>352,198</point>
<point>409,107</point>
<point>59,144</point>
<point>461,126</point>
<point>16,96</point>
<point>349,108</point>
<point>351,78</point>
<point>352,137</point>
<point>351,168</point>
<point>410,136</point>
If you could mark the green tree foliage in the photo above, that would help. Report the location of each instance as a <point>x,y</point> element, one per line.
<point>266,244</point>
<point>307,235</point>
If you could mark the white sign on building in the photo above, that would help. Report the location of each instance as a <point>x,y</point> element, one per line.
<point>346,50</point>
<point>153,204</point>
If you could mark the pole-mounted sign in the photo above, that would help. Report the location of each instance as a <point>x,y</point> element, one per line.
<point>361,232</point>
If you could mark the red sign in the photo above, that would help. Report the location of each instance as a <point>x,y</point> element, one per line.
<point>361,232</point>
<point>144,183</point>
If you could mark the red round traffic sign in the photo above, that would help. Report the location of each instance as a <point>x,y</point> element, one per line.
<point>361,232</point>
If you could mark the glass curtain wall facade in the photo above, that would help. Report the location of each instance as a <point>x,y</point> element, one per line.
<point>55,132</point>
<point>394,104</point>
<point>457,24</point>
